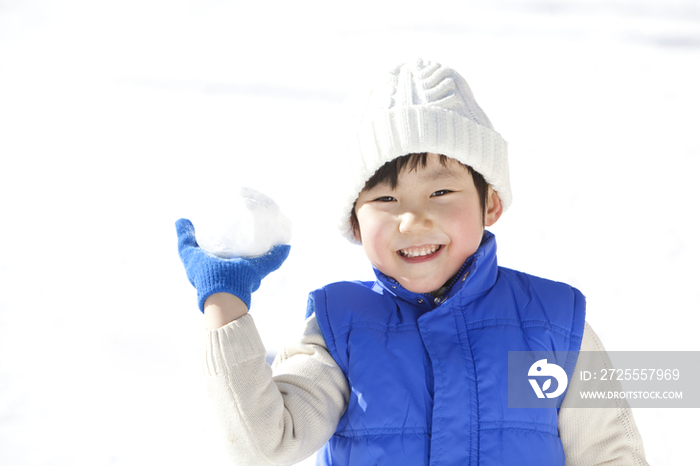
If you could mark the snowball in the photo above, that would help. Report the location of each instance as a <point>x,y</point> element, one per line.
<point>244,226</point>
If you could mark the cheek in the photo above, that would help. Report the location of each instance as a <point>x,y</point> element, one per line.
<point>466,225</point>
<point>375,234</point>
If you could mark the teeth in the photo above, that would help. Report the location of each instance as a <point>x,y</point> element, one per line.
<point>419,251</point>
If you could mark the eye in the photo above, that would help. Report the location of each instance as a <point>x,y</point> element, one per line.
<point>441,192</point>
<point>384,199</point>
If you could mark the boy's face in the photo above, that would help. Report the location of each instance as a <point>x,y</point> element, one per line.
<point>421,232</point>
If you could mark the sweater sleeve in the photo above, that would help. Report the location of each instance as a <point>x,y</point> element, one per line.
<point>597,436</point>
<point>278,415</point>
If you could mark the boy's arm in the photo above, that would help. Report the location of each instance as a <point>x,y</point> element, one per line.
<point>597,436</point>
<point>268,419</point>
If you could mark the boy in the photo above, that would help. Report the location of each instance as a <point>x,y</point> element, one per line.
<point>410,369</point>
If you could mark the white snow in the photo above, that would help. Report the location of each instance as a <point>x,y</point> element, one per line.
<point>243,224</point>
<point>118,118</point>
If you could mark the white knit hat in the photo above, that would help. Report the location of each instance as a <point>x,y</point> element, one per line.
<point>420,106</point>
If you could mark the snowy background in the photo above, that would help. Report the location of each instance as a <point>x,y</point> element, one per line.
<point>117,118</point>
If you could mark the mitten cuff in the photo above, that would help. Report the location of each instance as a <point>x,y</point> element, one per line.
<point>226,277</point>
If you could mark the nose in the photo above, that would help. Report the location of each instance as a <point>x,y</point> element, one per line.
<point>414,221</point>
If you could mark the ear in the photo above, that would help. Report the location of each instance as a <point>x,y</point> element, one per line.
<point>494,208</point>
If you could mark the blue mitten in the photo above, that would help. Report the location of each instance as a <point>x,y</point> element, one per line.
<point>210,274</point>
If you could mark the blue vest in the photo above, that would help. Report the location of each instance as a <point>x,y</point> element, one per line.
<point>428,376</point>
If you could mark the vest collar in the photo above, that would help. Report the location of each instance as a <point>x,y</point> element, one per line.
<point>476,276</point>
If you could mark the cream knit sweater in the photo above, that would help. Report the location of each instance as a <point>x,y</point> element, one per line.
<point>283,414</point>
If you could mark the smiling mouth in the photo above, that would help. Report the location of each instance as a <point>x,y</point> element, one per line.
<point>419,251</point>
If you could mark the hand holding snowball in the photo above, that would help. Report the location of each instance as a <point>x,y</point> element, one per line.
<point>250,246</point>
<point>210,274</point>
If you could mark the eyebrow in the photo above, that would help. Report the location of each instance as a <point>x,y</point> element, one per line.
<point>434,174</point>
<point>440,173</point>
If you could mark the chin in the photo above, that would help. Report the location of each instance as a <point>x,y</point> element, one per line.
<point>421,287</point>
